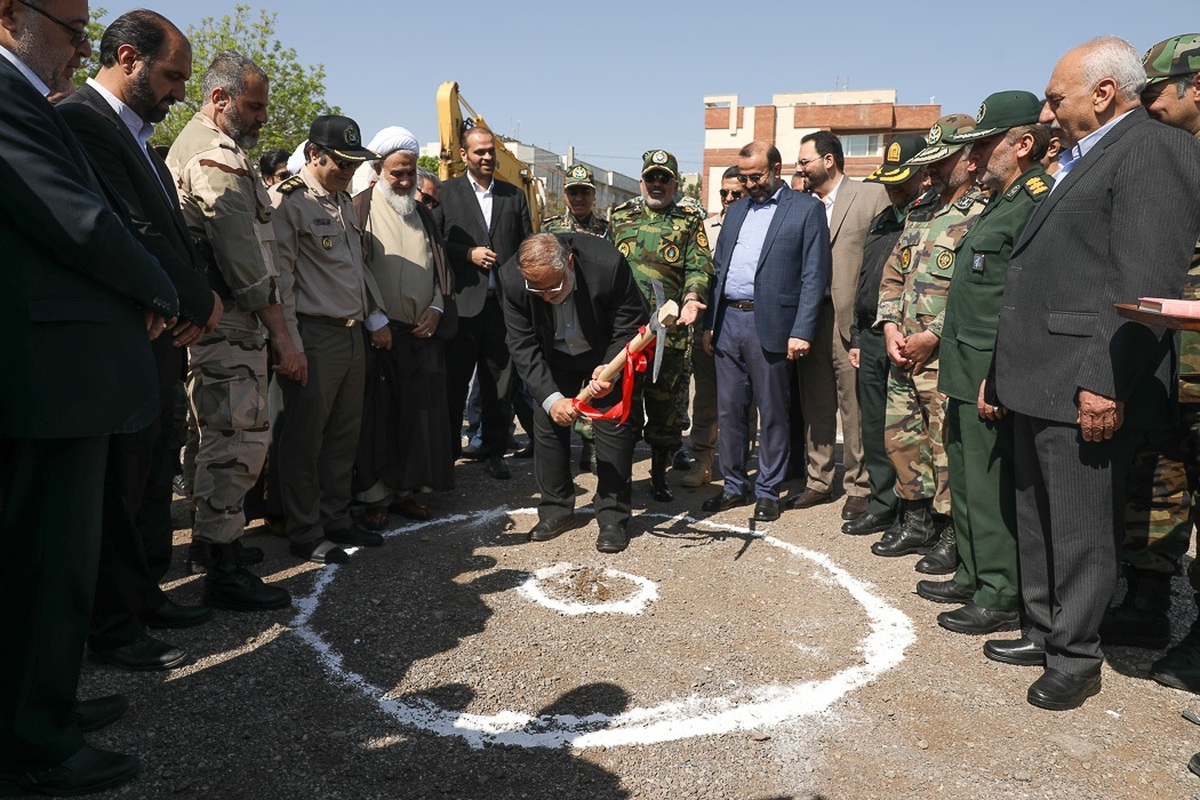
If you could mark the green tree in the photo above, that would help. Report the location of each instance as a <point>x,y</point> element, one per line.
<point>428,162</point>
<point>95,30</point>
<point>297,91</point>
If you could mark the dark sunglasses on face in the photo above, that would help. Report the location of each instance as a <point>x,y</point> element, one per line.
<point>428,200</point>
<point>657,177</point>
<point>732,194</point>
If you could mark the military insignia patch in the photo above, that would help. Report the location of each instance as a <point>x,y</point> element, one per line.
<point>702,238</point>
<point>623,248</point>
<point>291,184</point>
<point>977,263</point>
<point>935,134</point>
<point>905,257</point>
<point>893,153</point>
<point>965,202</point>
<point>945,259</point>
<point>1036,186</point>
<point>579,172</point>
<point>327,242</point>
<point>670,254</point>
<point>659,157</point>
<point>352,136</point>
<point>982,110</point>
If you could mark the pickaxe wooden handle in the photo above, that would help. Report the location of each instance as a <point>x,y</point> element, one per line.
<point>667,313</point>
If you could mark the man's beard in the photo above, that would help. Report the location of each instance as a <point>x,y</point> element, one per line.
<point>403,204</point>
<point>39,59</point>
<point>658,204</point>
<point>144,103</point>
<point>235,127</point>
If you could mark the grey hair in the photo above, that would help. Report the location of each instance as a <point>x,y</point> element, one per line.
<point>229,71</point>
<point>541,251</point>
<point>425,175</point>
<point>1115,58</point>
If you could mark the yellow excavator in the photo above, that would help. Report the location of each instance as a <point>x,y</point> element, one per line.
<point>453,123</point>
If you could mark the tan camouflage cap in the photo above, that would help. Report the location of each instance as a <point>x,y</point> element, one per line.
<point>1174,57</point>
<point>579,175</point>
<point>660,160</point>
<point>937,146</point>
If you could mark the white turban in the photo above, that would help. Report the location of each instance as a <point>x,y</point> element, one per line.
<point>297,159</point>
<point>394,138</point>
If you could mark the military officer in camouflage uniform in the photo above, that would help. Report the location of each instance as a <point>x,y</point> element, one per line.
<point>226,208</point>
<point>327,294</point>
<point>580,217</point>
<point>1163,499</point>
<point>912,302</point>
<point>665,242</point>
<point>1006,151</point>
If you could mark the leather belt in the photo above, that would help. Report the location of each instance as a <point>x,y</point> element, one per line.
<point>740,305</point>
<point>335,321</point>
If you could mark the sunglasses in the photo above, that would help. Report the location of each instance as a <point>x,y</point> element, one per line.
<point>733,194</point>
<point>552,290</point>
<point>658,177</point>
<point>429,201</point>
<point>78,36</point>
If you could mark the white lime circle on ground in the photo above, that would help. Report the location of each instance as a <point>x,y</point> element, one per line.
<point>889,635</point>
<point>533,589</point>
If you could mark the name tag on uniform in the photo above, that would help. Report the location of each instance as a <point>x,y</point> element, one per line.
<point>977,263</point>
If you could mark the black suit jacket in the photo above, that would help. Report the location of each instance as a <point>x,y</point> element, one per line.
<point>1121,225</point>
<point>157,221</point>
<point>462,225</point>
<point>73,286</point>
<point>610,307</point>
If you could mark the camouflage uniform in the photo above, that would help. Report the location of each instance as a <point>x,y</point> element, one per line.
<point>669,246</point>
<point>226,206</point>
<point>912,295</point>
<point>566,223</point>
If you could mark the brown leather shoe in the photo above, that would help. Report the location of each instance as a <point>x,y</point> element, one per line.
<point>409,507</point>
<point>809,498</point>
<point>375,518</point>
<point>854,507</point>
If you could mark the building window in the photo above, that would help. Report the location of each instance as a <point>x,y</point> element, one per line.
<point>862,144</point>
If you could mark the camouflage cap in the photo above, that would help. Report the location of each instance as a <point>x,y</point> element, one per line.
<point>1179,55</point>
<point>341,136</point>
<point>894,169</point>
<point>660,160</point>
<point>1000,112</point>
<point>579,175</point>
<point>937,145</point>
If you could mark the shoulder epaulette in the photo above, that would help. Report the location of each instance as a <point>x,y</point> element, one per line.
<point>1036,187</point>
<point>291,184</point>
<point>630,205</point>
<point>969,199</point>
<point>555,218</point>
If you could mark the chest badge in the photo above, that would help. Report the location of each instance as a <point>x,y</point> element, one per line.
<point>945,259</point>
<point>977,263</point>
<point>327,242</point>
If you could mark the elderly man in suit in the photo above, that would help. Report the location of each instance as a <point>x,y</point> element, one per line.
<point>826,379</point>
<point>77,295</point>
<point>571,304</point>
<point>113,115</point>
<point>484,221</point>
<point>1120,223</point>
<point>772,265</point>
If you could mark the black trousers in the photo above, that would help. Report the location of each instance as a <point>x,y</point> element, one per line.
<point>552,451</point>
<point>480,343</point>
<point>51,496</point>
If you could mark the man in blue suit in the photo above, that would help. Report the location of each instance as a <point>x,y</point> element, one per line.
<point>773,265</point>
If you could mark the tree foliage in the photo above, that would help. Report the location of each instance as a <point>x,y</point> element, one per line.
<point>428,162</point>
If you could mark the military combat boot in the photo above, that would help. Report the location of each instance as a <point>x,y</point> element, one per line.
<point>660,459</point>
<point>917,533</point>
<point>198,557</point>
<point>1180,667</point>
<point>943,558</point>
<point>1140,620</point>
<point>231,586</point>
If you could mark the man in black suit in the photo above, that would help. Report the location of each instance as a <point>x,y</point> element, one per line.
<point>145,62</point>
<point>571,305</point>
<point>1120,223</point>
<point>77,295</point>
<point>483,221</point>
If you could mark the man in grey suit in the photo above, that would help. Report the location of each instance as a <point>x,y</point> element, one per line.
<point>772,264</point>
<point>826,379</point>
<point>1120,223</point>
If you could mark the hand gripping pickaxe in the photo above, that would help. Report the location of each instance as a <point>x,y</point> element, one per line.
<point>664,316</point>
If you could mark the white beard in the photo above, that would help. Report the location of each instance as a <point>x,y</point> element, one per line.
<point>403,204</point>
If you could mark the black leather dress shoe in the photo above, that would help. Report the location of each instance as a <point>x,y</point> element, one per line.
<point>724,502</point>
<point>766,510</point>
<point>868,523</point>
<point>1060,691</point>
<point>172,615</point>
<point>612,539</point>
<point>100,712</point>
<point>975,620</point>
<point>945,591</point>
<point>497,468</point>
<point>355,536</point>
<point>144,654</point>
<point>89,770</point>
<point>548,529</point>
<point>1023,652</point>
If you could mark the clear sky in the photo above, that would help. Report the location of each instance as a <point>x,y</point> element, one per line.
<point>618,77</point>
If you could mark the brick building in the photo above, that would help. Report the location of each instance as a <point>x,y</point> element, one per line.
<point>864,120</point>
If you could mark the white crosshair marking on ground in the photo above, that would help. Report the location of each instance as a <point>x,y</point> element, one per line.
<point>890,634</point>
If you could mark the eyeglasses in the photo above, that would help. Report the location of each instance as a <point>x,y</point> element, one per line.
<point>78,36</point>
<point>753,177</point>
<point>733,194</point>
<point>658,177</point>
<point>804,162</point>
<point>283,175</point>
<point>341,163</point>
<point>431,202</point>
<point>537,291</point>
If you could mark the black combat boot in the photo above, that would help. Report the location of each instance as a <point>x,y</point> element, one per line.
<point>943,558</point>
<point>1140,620</point>
<point>229,585</point>
<point>587,456</point>
<point>917,533</point>
<point>1180,667</point>
<point>660,459</point>
<point>198,556</point>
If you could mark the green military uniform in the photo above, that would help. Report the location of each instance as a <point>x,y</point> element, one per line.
<point>566,223</point>
<point>980,453</point>
<point>668,246</point>
<point>226,205</point>
<point>912,295</point>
